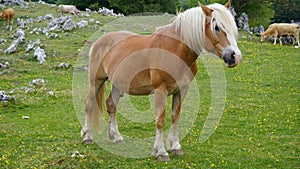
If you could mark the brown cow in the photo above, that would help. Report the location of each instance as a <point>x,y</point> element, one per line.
<point>277,30</point>
<point>7,15</point>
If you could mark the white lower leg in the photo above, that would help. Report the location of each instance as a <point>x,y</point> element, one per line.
<point>86,131</point>
<point>173,141</point>
<point>113,131</point>
<point>173,138</point>
<point>111,103</point>
<point>159,148</point>
<point>90,104</point>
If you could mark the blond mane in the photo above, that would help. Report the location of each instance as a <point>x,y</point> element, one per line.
<point>191,25</point>
<point>224,20</point>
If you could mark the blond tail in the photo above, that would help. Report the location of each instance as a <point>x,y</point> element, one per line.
<point>100,101</point>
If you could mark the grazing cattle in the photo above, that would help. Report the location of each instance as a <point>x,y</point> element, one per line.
<point>277,30</point>
<point>7,15</point>
<point>68,9</point>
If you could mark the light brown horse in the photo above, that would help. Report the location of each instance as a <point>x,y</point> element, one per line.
<point>162,64</point>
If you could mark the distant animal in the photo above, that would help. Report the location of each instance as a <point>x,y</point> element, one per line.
<point>68,9</point>
<point>8,14</point>
<point>163,63</point>
<point>278,30</point>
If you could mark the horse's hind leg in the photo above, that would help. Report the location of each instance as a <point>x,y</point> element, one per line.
<point>173,138</point>
<point>111,103</point>
<point>91,107</point>
<point>94,100</point>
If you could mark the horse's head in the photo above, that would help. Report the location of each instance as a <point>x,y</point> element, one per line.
<point>221,33</point>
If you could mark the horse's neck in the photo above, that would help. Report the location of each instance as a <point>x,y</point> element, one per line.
<point>170,31</point>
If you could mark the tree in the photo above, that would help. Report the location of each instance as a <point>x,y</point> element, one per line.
<point>185,4</point>
<point>84,4</point>
<point>137,6</point>
<point>286,10</point>
<point>48,1</point>
<point>260,12</point>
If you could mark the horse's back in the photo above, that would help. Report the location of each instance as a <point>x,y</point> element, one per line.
<point>104,43</point>
<point>111,38</point>
<point>121,46</point>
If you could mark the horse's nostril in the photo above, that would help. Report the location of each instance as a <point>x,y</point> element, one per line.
<point>230,58</point>
<point>232,55</point>
<point>224,58</point>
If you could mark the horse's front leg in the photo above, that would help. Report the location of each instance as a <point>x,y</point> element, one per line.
<point>173,138</point>
<point>159,150</point>
<point>111,103</point>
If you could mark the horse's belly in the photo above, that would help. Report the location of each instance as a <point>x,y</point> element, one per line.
<point>134,83</point>
<point>143,84</point>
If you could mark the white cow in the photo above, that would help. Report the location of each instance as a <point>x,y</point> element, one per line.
<point>276,30</point>
<point>68,9</point>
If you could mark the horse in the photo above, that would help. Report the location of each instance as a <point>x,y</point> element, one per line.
<point>162,64</point>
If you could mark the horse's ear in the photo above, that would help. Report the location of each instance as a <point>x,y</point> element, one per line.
<point>207,11</point>
<point>178,11</point>
<point>228,4</point>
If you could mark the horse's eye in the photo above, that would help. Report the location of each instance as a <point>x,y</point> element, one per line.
<point>217,28</point>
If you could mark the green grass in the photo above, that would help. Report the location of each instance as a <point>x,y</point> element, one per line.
<point>259,127</point>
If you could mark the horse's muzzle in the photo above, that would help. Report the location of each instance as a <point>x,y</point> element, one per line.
<point>231,57</point>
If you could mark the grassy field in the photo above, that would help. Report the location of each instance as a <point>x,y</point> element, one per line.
<point>259,126</point>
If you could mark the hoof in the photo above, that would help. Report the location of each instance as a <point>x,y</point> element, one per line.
<point>119,142</point>
<point>177,152</point>
<point>163,158</point>
<point>82,133</point>
<point>88,141</point>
